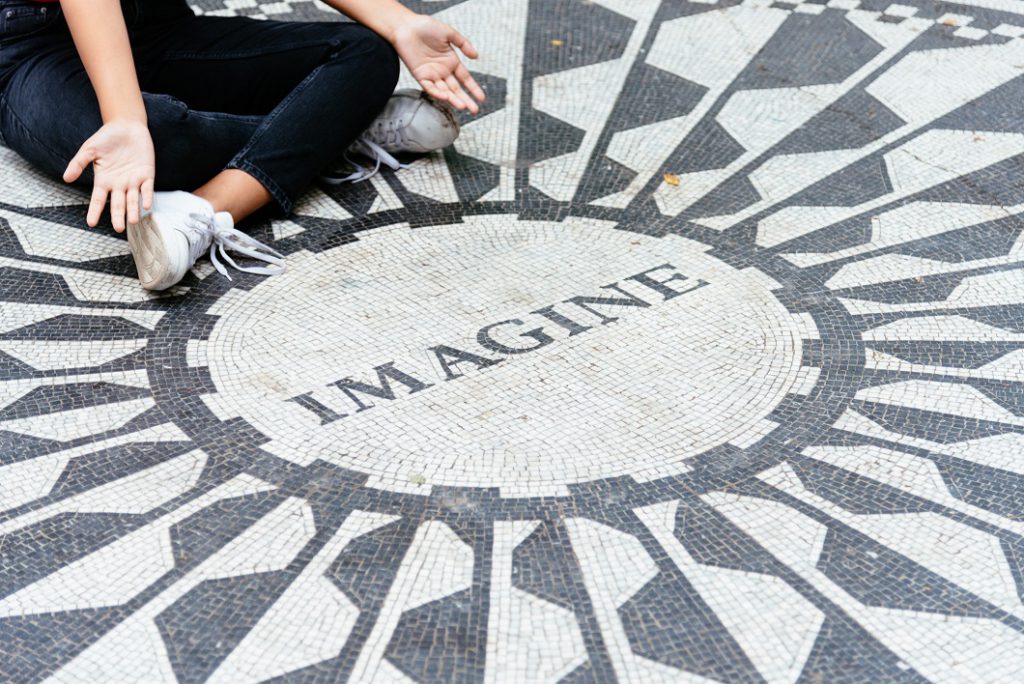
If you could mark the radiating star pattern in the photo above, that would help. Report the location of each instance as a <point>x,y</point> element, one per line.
<point>794,453</point>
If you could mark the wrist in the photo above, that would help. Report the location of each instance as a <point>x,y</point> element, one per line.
<point>395,22</point>
<point>135,115</point>
<point>127,121</point>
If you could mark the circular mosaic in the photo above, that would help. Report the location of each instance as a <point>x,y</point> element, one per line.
<point>503,353</point>
<point>699,356</point>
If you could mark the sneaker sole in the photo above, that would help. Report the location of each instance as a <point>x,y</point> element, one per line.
<point>152,258</point>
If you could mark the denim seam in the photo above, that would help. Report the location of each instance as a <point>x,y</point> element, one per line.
<point>203,114</point>
<point>272,116</point>
<point>272,187</point>
<point>47,23</point>
<point>224,116</point>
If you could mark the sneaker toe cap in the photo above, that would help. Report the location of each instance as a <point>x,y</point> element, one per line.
<point>432,128</point>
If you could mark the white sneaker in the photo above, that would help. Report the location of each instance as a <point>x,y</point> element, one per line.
<point>411,121</point>
<point>169,238</point>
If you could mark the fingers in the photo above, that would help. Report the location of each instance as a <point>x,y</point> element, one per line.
<point>462,73</point>
<point>86,155</point>
<point>117,209</point>
<point>454,99</point>
<point>147,194</point>
<point>121,157</point>
<point>124,204</point>
<point>460,41</point>
<point>434,90</point>
<point>132,200</point>
<point>445,94</point>
<point>464,100</point>
<point>448,90</point>
<point>96,204</point>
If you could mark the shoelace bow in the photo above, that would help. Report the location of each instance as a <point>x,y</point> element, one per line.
<point>223,239</point>
<point>387,132</point>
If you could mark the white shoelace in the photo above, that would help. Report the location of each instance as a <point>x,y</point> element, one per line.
<point>385,132</point>
<point>372,150</point>
<point>223,239</point>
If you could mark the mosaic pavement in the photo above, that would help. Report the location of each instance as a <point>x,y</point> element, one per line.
<point>699,357</point>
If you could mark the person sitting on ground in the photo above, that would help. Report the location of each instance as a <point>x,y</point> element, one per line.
<point>244,113</point>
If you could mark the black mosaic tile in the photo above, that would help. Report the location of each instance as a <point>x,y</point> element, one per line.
<point>699,353</point>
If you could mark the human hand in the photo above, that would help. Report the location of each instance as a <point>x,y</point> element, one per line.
<point>427,47</point>
<point>123,165</point>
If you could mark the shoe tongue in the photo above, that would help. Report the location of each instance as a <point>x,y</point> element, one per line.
<point>223,220</point>
<point>181,201</point>
<point>396,116</point>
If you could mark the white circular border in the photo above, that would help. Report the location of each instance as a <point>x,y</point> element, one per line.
<point>657,387</point>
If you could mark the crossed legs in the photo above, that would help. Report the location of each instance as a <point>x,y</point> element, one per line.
<point>242,112</point>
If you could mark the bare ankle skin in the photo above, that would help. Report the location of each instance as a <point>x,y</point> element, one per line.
<point>235,192</point>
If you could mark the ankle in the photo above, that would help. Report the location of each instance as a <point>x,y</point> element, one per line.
<point>218,201</point>
<point>235,192</point>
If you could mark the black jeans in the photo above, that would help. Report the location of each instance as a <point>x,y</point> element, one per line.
<point>278,100</point>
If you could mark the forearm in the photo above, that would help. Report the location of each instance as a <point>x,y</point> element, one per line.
<point>383,16</point>
<point>101,38</point>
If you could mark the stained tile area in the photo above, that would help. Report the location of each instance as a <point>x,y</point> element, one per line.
<point>698,357</point>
